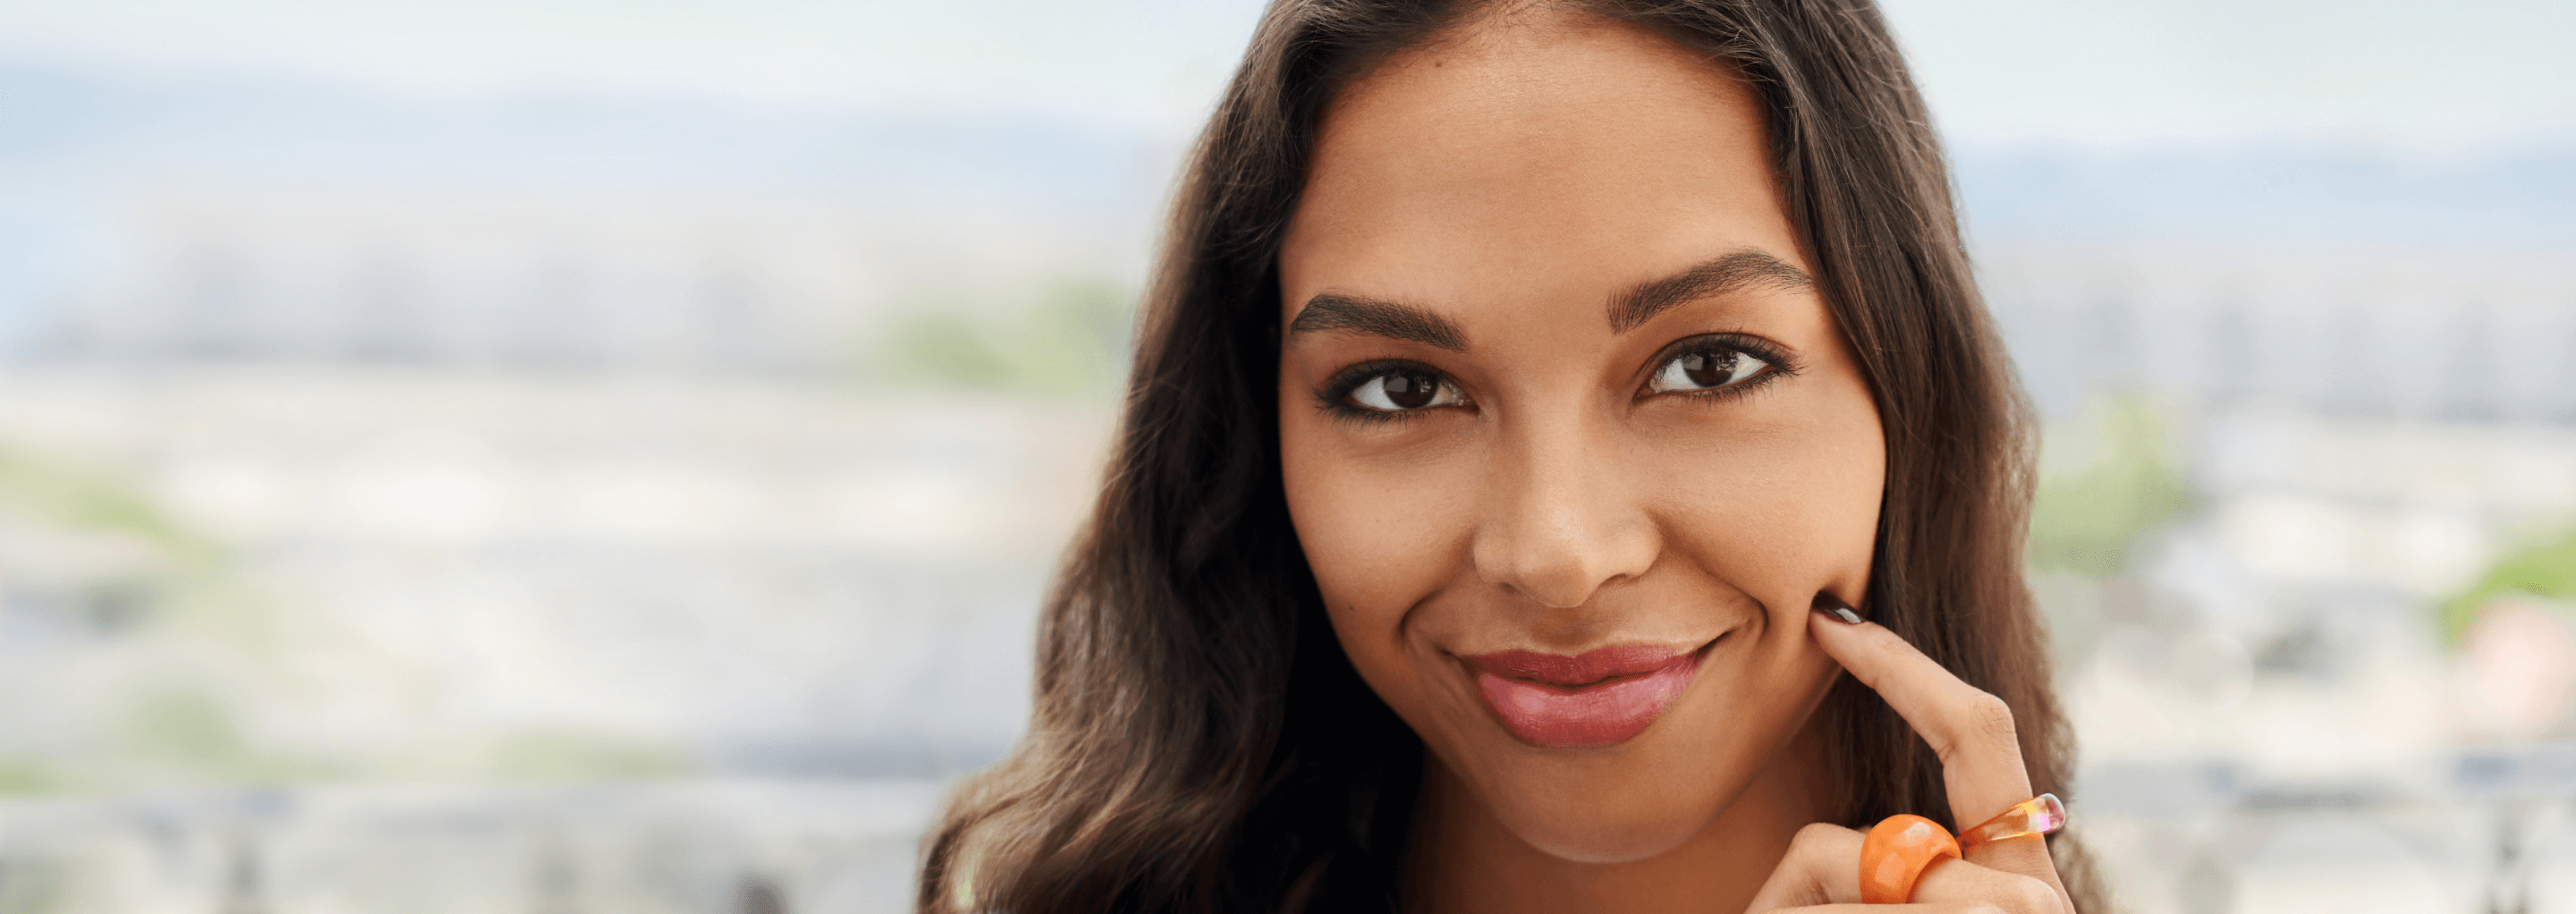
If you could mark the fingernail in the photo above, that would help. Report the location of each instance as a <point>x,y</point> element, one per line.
<point>1834,606</point>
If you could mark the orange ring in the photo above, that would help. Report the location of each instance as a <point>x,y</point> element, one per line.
<point>1895,855</point>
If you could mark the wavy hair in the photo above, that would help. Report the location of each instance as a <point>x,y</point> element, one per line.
<point>1199,742</point>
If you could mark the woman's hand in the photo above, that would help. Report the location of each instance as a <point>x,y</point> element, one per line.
<point>1972,732</point>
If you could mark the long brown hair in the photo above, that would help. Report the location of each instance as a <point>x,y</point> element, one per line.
<point>1199,741</point>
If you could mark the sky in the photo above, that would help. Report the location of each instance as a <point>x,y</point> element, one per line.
<point>2472,77</point>
<point>2463,78</point>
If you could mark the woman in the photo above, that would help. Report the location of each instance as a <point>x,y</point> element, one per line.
<point>1540,385</point>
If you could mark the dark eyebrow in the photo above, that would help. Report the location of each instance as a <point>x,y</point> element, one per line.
<point>1729,272</point>
<point>1330,313</point>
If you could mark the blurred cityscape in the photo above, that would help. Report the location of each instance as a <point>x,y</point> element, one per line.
<point>597,502</point>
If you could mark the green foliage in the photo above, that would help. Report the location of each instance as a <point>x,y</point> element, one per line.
<point>2547,569</point>
<point>186,727</point>
<point>65,496</point>
<point>175,727</point>
<point>949,350</point>
<point>170,582</point>
<point>2106,479</point>
<point>555,755</point>
<point>190,734</point>
<point>185,570</point>
<point>1067,339</point>
<point>19,776</point>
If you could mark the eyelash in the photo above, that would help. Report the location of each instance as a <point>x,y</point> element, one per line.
<point>1743,344</point>
<point>1334,395</point>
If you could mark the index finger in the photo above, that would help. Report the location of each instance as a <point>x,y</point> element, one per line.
<point>1971,731</point>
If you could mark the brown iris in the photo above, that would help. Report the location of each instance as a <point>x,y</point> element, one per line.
<point>1708,369</point>
<point>1409,389</point>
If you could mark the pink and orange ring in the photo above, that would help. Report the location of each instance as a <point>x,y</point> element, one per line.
<point>1901,848</point>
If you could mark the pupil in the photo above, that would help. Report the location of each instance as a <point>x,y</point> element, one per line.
<point>1708,369</point>
<point>1410,391</point>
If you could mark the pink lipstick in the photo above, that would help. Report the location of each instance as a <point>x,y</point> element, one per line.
<point>1595,698</point>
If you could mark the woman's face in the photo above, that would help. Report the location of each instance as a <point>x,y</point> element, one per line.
<point>1571,442</point>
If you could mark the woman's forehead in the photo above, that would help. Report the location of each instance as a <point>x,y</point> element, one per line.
<point>1557,158</point>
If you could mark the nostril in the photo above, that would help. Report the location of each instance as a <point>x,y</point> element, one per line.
<point>1561,587</point>
<point>1559,570</point>
<point>1555,534</point>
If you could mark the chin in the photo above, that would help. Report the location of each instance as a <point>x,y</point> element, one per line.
<point>1624,806</point>
<point>1589,837</point>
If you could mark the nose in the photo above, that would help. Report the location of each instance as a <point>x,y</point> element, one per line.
<point>1561,517</point>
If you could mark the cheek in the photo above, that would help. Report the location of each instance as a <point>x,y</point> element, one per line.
<point>1780,511</point>
<point>1381,534</point>
<point>1379,531</point>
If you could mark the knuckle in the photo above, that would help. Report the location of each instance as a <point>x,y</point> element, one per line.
<point>1815,838</point>
<point>2031,896</point>
<point>1985,720</point>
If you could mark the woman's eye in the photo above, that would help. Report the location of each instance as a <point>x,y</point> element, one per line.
<point>1706,369</point>
<point>1400,391</point>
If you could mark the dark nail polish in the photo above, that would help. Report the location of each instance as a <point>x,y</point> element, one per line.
<point>1834,606</point>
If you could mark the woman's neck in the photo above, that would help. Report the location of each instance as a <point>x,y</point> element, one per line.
<point>1464,859</point>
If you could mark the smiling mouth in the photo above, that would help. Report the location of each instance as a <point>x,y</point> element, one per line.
<point>1596,698</point>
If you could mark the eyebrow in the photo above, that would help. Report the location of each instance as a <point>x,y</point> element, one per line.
<point>1330,313</point>
<point>1735,270</point>
<point>1730,272</point>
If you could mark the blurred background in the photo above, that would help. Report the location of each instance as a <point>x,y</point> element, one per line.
<point>563,456</point>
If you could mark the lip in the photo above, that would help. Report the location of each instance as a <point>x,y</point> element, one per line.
<point>1596,698</point>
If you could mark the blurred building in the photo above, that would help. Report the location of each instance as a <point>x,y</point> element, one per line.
<point>397,275</point>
